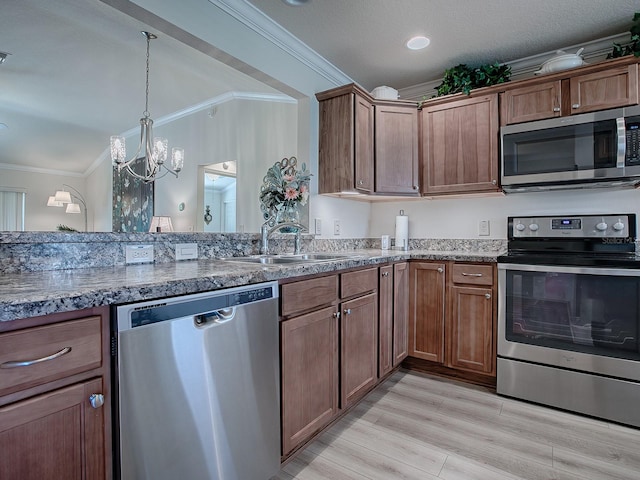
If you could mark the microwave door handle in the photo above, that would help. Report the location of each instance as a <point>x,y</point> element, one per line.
<point>622,142</point>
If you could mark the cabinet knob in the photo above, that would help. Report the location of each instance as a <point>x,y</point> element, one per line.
<point>487,296</point>
<point>336,314</point>
<point>494,182</point>
<point>440,270</point>
<point>415,187</point>
<point>96,400</point>
<point>575,105</point>
<point>557,109</point>
<point>347,311</point>
<point>360,182</point>
<point>385,274</point>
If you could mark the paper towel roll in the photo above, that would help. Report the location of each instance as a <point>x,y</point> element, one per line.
<point>402,232</point>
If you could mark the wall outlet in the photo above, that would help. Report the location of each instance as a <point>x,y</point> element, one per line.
<point>318,226</point>
<point>483,228</point>
<point>336,227</point>
<point>186,251</point>
<point>139,253</point>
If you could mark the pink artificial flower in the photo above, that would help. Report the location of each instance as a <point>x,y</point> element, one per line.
<point>303,188</point>
<point>290,193</point>
<point>289,178</point>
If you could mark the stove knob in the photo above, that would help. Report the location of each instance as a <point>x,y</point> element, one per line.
<point>520,227</point>
<point>618,226</point>
<point>534,227</point>
<point>602,226</point>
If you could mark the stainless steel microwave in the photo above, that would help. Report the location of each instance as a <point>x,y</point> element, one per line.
<point>598,149</point>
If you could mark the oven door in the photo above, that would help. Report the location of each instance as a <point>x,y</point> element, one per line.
<point>584,319</point>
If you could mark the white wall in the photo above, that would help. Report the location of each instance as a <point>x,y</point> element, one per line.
<point>39,186</point>
<point>99,198</point>
<point>458,218</point>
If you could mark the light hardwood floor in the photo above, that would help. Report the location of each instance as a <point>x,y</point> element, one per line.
<point>417,426</point>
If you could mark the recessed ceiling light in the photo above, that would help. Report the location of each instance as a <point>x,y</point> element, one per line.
<point>3,126</point>
<point>418,43</point>
<point>3,57</point>
<point>295,3</point>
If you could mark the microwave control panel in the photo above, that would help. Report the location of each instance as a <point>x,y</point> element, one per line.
<point>632,149</point>
<point>582,226</point>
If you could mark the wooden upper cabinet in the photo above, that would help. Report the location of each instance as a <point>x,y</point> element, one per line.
<point>534,102</point>
<point>614,87</point>
<point>460,146</point>
<point>396,149</point>
<point>346,141</point>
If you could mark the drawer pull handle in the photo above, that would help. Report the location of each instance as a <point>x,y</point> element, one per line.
<point>26,363</point>
<point>385,274</point>
<point>96,400</point>
<point>471,274</point>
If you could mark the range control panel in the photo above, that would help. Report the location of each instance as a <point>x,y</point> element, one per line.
<point>580,226</point>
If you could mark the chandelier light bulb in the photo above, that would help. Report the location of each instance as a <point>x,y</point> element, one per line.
<point>118,149</point>
<point>177,158</point>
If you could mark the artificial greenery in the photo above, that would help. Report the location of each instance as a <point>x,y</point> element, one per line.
<point>65,228</point>
<point>631,48</point>
<point>462,79</point>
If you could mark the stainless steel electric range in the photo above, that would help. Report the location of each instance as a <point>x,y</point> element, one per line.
<point>569,314</point>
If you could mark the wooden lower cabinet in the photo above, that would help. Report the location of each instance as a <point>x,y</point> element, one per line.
<point>452,317</point>
<point>385,320</point>
<point>54,435</point>
<point>470,335</point>
<point>309,356</point>
<point>49,426</point>
<point>400,312</point>
<point>359,347</point>
<point>427,311</point>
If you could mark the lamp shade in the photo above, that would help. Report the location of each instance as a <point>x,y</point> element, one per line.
<point>51,202</point>
<point>62,196</point>
<point>73,208</point>
<point>161,224</point>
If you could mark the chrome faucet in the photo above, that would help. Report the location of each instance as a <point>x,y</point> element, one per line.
<point>266,233</point>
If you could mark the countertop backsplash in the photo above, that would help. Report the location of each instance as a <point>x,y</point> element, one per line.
<point>42,251</point>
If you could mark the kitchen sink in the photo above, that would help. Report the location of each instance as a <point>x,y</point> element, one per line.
<point>299,258</point>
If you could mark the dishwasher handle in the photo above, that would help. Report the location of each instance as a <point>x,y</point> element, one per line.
<point>216,317</point>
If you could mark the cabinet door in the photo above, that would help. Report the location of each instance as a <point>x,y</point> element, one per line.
<point>615,87</point>
<point>363,144</point>
<point>54,435</point>
<point>396,149</point>
<point>400,312</point>
<point>470,329</point>
<point>460,146</point>
<point>359,347</point>
<point>386,327</point>
<point>426,311</point>
<point>309,351</point>
<point>345,156</point>
<point>526,104</point>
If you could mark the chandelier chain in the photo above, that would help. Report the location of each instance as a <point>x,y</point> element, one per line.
<point>146,99</point>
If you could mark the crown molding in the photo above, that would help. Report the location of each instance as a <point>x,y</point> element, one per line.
<point>264,26</point>
<point>45,171</point>
<point>594,51</point>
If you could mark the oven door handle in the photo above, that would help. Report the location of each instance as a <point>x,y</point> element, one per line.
<point>611,271</point>
<point>622,142</point>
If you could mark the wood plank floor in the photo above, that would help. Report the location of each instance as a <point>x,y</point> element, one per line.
<point>416,426</point>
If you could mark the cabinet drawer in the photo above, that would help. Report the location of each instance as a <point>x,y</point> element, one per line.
<point>54,351</point>
<point>307,295</point>
<point>358,282</point>
<point>472,274</point>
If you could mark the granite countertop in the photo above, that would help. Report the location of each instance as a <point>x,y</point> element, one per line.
<point>31,294</point>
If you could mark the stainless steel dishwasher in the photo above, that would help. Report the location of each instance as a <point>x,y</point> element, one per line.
<point>198,386</point>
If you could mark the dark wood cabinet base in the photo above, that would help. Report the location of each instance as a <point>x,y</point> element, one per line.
<point>425,366</point>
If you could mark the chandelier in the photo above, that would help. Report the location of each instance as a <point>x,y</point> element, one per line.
<point>151,150</point>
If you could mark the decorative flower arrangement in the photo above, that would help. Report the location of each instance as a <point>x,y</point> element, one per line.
<point>284,189</point>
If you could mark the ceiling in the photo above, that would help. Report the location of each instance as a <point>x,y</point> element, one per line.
<point>76,76</point>
<point>366,38</point>
<point>76,71</point>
